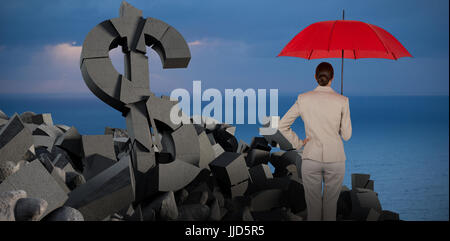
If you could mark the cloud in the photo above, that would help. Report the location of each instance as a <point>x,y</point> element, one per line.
<point>66,54</point>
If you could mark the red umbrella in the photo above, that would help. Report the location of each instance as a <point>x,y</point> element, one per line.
<point>344,39</point>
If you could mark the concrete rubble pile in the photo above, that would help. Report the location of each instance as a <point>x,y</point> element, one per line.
<point>51,172</point>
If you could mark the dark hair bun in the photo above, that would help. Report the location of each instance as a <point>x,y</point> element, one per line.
<point>324,73</point>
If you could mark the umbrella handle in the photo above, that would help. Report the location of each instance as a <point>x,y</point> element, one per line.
<point>342,74</point>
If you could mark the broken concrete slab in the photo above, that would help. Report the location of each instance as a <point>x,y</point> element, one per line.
<point>15,140</point>
<point>110,191</point>
<point>38,183</point>
<point>98,154</point>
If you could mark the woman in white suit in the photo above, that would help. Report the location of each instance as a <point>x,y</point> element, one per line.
<point>326,115</point>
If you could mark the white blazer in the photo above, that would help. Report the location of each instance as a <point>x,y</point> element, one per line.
<point>326,115</point>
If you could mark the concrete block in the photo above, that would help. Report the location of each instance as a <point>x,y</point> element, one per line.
<point>29,209</point>
<point>106,193</point>
<point>15,140</point>
<point>260,174</point>
<point>175,175</point>
<point>38,183</point>
<point>256,157</point>
<point>260,143</point>
<point>282,162</point>
<point>99,154</point>
<point>360,180</point>
<point>42,119</point>
<point>229,169</point>
<point>227,141</point>
<point>277,139</point>
<point>64,214</point>
<point>362,201</point>
<point>70,141</point>
<point>239,189</point>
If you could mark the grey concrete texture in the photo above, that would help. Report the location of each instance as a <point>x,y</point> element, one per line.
<point>98,154</point>
<point>37,182</point>
<point>15,140</point>
<point>106,193</point>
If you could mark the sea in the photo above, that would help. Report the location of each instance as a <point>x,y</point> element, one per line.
<point>401,141</point>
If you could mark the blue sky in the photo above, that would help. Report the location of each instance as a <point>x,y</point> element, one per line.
<point>233,45</point>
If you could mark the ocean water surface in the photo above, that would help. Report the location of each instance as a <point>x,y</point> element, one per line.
<point>402,141</point>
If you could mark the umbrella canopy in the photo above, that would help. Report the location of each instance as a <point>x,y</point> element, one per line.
<point>344,38</point>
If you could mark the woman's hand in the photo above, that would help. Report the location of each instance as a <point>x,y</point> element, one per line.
<point>306,140</point>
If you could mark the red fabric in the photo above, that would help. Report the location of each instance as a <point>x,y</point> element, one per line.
<point>358,40</point>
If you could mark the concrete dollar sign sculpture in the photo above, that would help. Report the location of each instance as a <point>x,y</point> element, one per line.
<point>147,116</point>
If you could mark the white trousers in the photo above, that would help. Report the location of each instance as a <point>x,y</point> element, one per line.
<point>322,207</point>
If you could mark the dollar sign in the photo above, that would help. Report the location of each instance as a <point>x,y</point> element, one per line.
<point>147,116</point>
